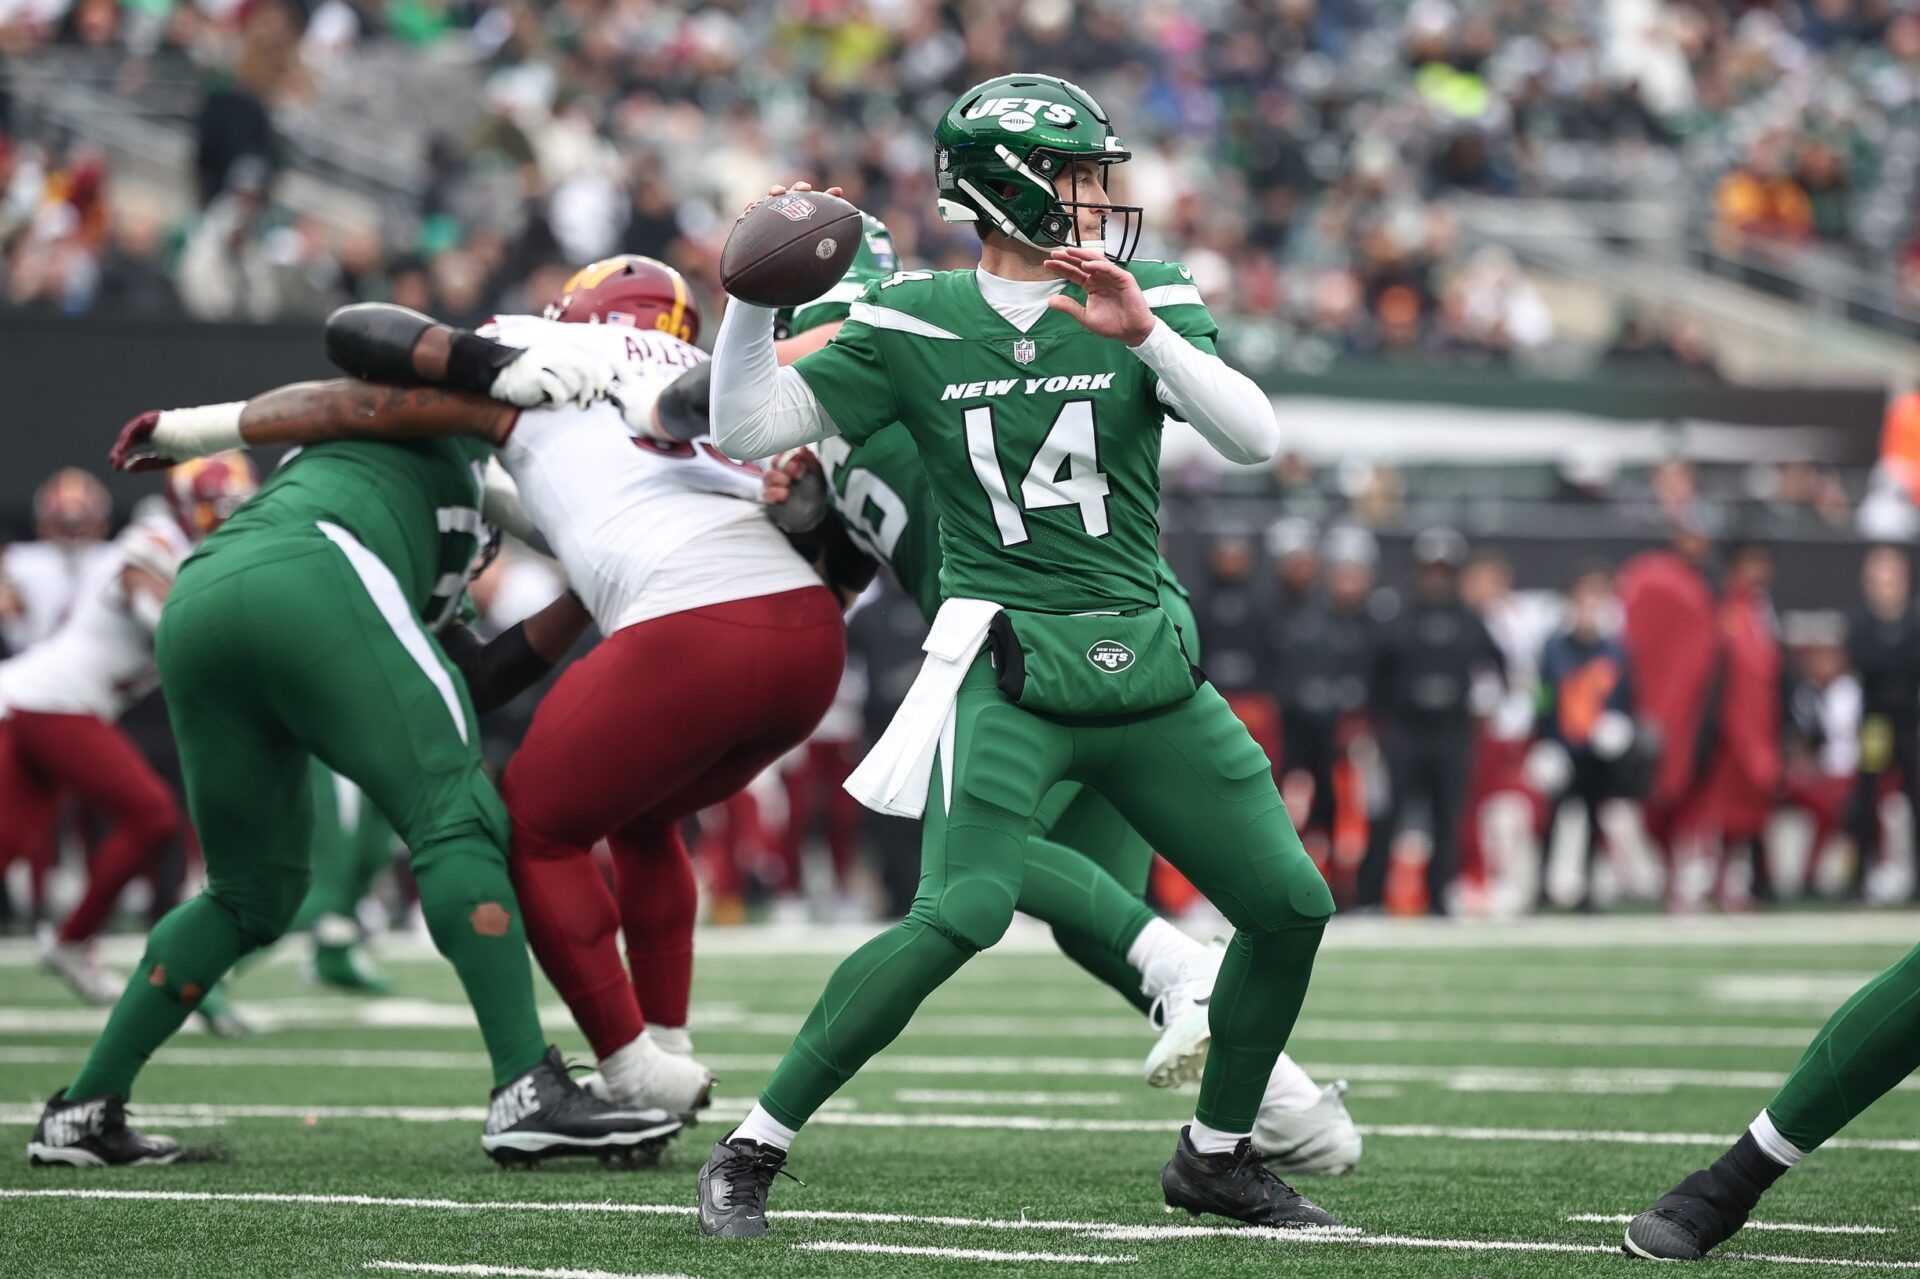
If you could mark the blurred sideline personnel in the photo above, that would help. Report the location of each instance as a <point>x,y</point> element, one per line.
<point>1326,649</point>
<point>40,579</point>
<point>1086,868</point>
<point>312,624</point>
<point>1883,646</point>
<point>1424,672</point>
<point>713,625</point>
<point>1744,769</point>
<point>1584,723</point>
<point>62,697</point>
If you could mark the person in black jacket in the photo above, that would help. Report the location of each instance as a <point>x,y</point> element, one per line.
<point>1425,665</point>
<point>1883,644</point>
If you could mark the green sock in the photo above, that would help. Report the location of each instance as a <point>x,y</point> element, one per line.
<point>867,1003</point>
<point>1263,981</point>
<point>188,951</point>
<point>1870,1044</point>
<point>1094,919</point>
<point>475,922</point>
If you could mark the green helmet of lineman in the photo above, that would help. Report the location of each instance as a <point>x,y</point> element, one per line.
<point>999,148</point>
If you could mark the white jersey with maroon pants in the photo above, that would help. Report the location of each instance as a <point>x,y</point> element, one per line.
<point>61,699</point>
<point>722,651</point>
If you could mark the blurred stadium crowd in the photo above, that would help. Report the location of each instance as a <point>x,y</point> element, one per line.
<point>1658,729</point>
<point>1302,155</point>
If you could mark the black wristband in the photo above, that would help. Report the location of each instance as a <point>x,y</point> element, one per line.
<point>475,362</point>
<point>847,566</point>
<point>375,340</point>
<point>497,671</point>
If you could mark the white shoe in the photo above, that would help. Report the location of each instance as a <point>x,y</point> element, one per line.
<point>1321,1138</point>
<point>76,965</point>
<point>1180,1014</point>
<point>643,1076</point>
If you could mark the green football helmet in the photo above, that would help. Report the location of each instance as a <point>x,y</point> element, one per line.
<point>999,148</point>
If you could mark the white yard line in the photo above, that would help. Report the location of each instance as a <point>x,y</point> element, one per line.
<point>1627,1080</point>
<point>518,1272</point>
<point>960,1254</point>
<point>1115,1231</point>
<point>984,1097</point>
<point>21,1115</point>
<point>1622,1218</point>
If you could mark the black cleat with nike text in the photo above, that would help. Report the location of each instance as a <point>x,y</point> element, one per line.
<point>1687,1222</point>
<point>1237,1185</point>
<point>543,1114</point>
<point>94,1134</point>
<point>734,1185</point>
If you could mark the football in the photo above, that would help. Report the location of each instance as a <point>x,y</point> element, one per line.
<point>789,249</point>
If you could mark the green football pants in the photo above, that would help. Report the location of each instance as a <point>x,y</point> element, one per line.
<point>301,644</point>
<point>1189,779</point>
<point>352,842</point>
<point>1086,877</point>
<point>1870,1044</point>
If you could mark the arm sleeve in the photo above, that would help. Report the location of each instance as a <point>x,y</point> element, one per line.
<point>757,407</point>
<point>1231,413</point>
<point>498,670</point>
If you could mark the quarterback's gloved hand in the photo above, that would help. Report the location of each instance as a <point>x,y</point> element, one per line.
<point>554,373</point>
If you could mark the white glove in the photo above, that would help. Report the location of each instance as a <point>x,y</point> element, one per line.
<point>1548,767</point>
<point>555,373</point>
<point>1612,734</point>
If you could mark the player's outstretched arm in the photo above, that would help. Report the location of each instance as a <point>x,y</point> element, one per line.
<point>1226,406</point>
<point>310,413</point>
<point>386,343</point>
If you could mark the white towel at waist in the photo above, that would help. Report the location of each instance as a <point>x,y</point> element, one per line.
<point>893,777</point>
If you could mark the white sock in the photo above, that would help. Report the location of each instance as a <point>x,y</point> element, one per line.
<point>1211,1141</point>
<point>1156,954</point>
<point>671,1039</point>
<point>1772,1144</point>
<point>764,1128</point>
<point>1290,1088</point>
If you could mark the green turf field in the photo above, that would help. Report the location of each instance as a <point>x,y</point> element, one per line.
<point>1520,1087</point>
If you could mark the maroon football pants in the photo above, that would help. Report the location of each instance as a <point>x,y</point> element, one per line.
<point>45,757</point>
<point>662,719</point>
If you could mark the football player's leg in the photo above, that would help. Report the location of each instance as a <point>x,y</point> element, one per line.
<point>1195,784</point>
<point>1086,878</point>
<point>97,762</point>
<point>351,843</point>
<point>980,809</point>
<point>29,799</point>
<point>358,681</point>
<point>1869,1045</point>
<point>247,792</point>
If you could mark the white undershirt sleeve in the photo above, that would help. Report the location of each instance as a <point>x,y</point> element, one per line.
<point>1229,410</point>
<point>758,408</point>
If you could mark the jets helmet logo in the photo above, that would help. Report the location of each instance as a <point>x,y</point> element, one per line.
<point>1110,656</point>
<point>1023,351</point>
<point>1021,114</point>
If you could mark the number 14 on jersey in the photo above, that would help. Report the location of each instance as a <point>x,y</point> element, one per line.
<point>1064,472</point>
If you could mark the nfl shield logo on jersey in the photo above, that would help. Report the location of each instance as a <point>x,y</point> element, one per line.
<point>1023,351</point>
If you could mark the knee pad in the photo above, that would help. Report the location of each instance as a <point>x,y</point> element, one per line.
<point>467,812</point>
<point>974,911</point>
<point>262,909</point>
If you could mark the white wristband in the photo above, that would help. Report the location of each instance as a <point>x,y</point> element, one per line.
<point>196,432</point>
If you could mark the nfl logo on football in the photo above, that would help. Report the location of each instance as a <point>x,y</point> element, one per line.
<point>1023,350</point>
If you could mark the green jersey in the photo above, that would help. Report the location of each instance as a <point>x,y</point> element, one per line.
<point>415,505</point>
<point>1041,450</point>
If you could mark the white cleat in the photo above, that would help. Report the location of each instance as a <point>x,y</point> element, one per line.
<point>75,965</point>
<point>1180,1013</point>
<point>644,1076</point>
<point>1320,1139</point>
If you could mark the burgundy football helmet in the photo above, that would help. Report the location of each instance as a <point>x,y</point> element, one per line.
<point>629,289</point>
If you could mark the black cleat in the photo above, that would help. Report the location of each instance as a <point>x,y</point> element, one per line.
<point>543,1114</point>
<point>734,1185</point>
<point>1687,1222</point>
<point>1237,1185</point>
<point>94,1134</point>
